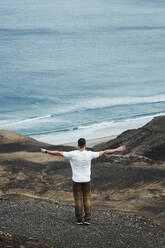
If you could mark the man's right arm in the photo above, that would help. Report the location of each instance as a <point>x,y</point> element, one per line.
<point>110,151</point>
<point>56,153</point>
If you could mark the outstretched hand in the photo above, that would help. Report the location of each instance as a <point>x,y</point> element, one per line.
<point>121,148</point>
<point>43,150</point>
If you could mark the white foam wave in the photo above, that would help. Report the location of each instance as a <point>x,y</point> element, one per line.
<point>86,104</point>
<point>129,123</point>
<point>98,103</point>
<point>11,123</point>
<point>126,100</point>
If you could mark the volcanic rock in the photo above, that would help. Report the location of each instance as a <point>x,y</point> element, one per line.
<point>148,141</point>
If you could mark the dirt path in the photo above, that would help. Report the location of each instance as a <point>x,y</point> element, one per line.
<point>55,225</point>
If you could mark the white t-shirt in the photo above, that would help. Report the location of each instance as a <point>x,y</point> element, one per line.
<point>81,164</point>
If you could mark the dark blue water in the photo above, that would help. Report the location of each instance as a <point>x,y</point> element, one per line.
<point>80,68</point>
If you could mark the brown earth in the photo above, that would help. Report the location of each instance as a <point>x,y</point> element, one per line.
<point>14,241</point>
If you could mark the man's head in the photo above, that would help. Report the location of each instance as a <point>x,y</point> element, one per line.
<point>81,142</point>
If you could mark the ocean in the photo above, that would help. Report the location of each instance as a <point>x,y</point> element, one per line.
<point>71,69</point>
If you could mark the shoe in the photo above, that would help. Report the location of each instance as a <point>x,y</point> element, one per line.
<point>79,222</point>
<point>87,222</point>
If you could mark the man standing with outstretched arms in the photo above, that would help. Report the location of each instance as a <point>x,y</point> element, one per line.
<point>80,161</point>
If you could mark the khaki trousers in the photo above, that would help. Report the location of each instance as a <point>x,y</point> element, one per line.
<point>82,197</point>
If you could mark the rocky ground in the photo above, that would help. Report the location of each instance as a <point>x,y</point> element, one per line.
<point>55,225</point>
<point>15,241</point>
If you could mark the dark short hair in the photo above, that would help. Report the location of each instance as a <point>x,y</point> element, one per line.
<point>81,142</point>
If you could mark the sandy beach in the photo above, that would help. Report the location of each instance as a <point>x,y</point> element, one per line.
<point>93,142</point>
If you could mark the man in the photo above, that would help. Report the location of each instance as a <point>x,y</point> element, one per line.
<point>80,161</point>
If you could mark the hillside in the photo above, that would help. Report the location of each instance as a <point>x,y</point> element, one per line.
<point>131,182</point>
<point>148,141</point>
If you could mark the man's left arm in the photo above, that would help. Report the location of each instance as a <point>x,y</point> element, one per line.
<point>110,151</point>
<point>56,153</point>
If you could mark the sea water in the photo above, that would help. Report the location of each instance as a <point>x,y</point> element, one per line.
<point>71,69</point>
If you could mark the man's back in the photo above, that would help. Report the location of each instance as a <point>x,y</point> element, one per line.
<point>81,164</point>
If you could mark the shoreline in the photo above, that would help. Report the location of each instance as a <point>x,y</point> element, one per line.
<point>93,142</point>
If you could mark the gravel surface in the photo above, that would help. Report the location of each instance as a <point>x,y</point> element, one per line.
<point>55,225</point>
